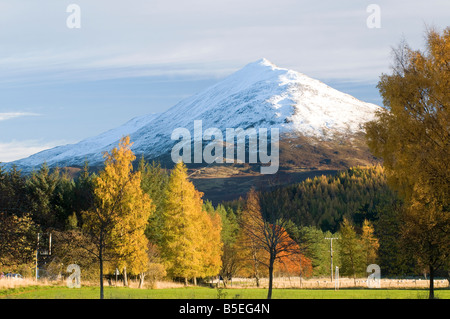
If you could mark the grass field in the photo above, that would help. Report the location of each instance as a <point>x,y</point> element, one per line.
<point>60,292</point>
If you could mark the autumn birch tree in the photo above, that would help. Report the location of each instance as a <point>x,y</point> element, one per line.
<point>117,222</point>
<point>412,136</point>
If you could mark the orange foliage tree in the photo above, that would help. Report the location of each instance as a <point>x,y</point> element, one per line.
<point>266,235</point>
<point>291,262</point>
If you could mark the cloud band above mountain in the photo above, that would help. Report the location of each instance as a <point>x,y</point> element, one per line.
<point>11,115</point>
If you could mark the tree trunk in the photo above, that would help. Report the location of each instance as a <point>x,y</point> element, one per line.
<point>301,282</point>
<point>271,262</point>
<point>195,281</point>
<point>256,274</point>
<point>225,281</point>
<point>100,259</point>
<point>431,295</point>
<point>141,279</point>
<point>448,278</point>
<point>354,272</point>
<point>125,279</point>
<point>256,267</point>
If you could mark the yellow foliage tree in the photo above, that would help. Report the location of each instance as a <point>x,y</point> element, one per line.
<point>210,244</point>
<point>252,254</point>
<point>121,212</point>
<point>412,136</point>
<point>369,243</point>
<point>191,244</point>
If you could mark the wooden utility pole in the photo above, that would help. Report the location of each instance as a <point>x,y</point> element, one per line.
<point>331,254</point>
<point>43,252</point>
<point>37,256</point>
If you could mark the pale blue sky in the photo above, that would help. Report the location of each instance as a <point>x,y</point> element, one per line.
<point>129,58</point>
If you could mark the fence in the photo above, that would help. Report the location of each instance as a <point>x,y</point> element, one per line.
<point>317,283</point>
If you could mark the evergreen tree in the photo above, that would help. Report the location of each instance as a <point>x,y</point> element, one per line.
<point>62,199</point>
<point>13,192</point>
<point>41,188</point>
<point>316,249</point>
<point>229,234</point>
<point>350,251</point>
<point>83,193</point>
<point>154,183</point>
<point>393,255</point>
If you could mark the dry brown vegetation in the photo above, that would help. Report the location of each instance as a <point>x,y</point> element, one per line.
<point>6,283</point>
<point>279,282</point>
<point>326,283</point>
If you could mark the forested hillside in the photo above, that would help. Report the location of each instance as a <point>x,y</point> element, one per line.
<point>357,193</point>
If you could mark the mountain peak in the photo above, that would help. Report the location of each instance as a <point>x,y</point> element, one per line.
<point>265,62</point>
<point>262,63</point>
<point>260,95</point>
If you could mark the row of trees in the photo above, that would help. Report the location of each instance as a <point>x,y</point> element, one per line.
<point>119,217</point>
<point>147,221</point>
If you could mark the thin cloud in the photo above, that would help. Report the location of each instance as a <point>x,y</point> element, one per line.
<point>11,115</point>
<point>16,150</point>
<point>204,37</point>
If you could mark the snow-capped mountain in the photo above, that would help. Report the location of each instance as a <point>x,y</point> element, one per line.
<point>260,95</point>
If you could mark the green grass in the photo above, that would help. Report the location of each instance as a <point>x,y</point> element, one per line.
<point>58,292</point>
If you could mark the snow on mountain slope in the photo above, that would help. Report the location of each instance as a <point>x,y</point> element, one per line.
<point>88,149</point>
<point>260,95</point>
